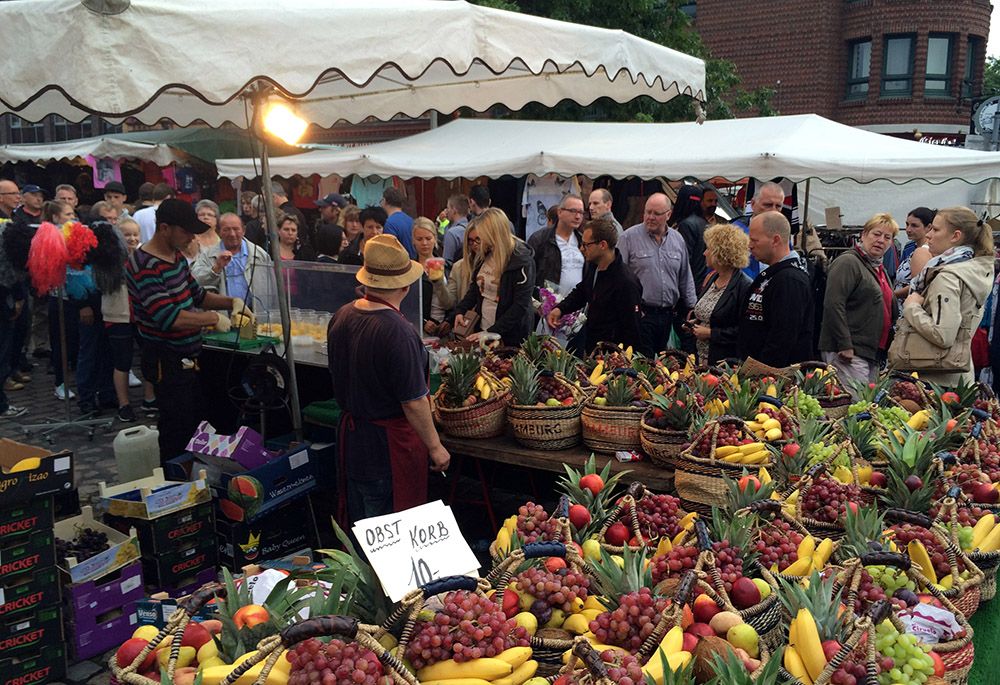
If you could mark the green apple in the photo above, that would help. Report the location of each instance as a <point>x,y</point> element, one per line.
<point>765,589</point>
<point>592,549</point>
<point>552,402</point>
<point>745,637</point>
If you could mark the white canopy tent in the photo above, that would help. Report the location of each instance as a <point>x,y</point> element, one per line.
<point>156,59</point>
<point>100,147</point>
<point>840,158</point>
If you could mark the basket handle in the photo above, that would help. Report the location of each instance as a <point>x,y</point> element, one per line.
<point>449,584</point>
<point>813,366</point>
<point>815,470</point>
<point>704,539</point>
<point>903,516</point>
<point>685,587</point>
<point>770,506</point>
<point>900,561</point>
<point>767,399</point>
<point>591,658</point>
<point>980,415</point>
<point>636,490</point>
<point>562,511</point>
<point>879,611</point>
<point>537,550</point>
<point>320,626</point>
<point>200,597</point>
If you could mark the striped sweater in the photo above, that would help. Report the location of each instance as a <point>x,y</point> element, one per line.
<point>159,291</point>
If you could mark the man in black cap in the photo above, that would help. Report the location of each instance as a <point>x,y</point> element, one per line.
<point>30,209</point>
<point>115,195</point>
<point>329,209</point>
<point>165,297</point>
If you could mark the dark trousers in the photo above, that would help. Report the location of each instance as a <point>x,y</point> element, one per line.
<point>178,396</point>
<point>654,330</point>
<point>7,353</point>
<point>71,312</point>
<point>93,370</point>
<point>21,331</point>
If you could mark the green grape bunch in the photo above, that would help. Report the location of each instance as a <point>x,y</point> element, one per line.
<point>911,661</point>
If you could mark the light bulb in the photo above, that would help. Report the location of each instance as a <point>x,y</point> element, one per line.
<point>282,122</point>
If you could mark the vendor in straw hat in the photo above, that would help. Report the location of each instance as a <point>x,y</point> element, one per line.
<point>379,369</point>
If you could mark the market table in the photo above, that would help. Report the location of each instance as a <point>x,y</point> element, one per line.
<point>506,451</point>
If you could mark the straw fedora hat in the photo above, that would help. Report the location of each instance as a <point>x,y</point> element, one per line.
<point>387,264</point>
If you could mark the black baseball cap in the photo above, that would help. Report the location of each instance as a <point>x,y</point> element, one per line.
<point>332,199</point>
<point>32,188</point>
<point>180,213</point>
<point>115,187</point>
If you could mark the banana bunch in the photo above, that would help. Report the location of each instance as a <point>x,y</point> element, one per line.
<point>922,560</point>
<point>670,650</point>
<point>986,535</point>
<point>765,427</point>
<point>789,505</point>
<point>506,533</point>
<point>804,657</point>
<point>485,387</point>
<point>597,376</point>
<point>751,453</point>
<point>811,556</point>
<point>584,611</point>
<point>511,667</point>
<point>278,675</point>
<point>716,407</point>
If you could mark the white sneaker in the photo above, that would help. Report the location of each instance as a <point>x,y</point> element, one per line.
<point>133,381</point>
<point>60,392</point>
<point>13,412</point>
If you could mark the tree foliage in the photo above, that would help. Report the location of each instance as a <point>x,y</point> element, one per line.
<point>659,21</point>
<point>991,77</point>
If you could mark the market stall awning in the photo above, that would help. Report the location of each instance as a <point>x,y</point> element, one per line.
<point>195,60</point>
<point>797,147</point>
<point>99,147</point>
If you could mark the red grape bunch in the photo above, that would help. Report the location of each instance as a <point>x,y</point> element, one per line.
<point>905,532</point>
<point>87,543</point>
<point>869,592</point>
<point>729,560</point>
<point>657,516</point>
<point>468,626</point>
<point>778,544</point>
<point>334,663</point>
<point>906,390</point>
<point>498,366</point>
<point>632,622</point>
<point>535,525</point>
<point>729,434</point>
<point>550,388</point>
<point>558,590</point>
<point>673,563</point>
<point>826,499</point>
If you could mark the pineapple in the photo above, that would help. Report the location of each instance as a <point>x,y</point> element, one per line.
<point>743,400</point>
<point>965,395</point>
<point>729,670</point>
<point>911,470</point>
<point>737,499</point>
<point>864,435</point>
<point>460,379</point>
<point>560,361</point>
<point>612,581</point>
<point>861,528</point>
<point>672,413</point>
<point>599,505</point>
<point>822,600</point>
<point>734,532</point>
<point>535,346</point>
<point>620,391</point>
<point>524,381</point>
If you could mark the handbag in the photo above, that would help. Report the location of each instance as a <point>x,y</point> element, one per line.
<point>980,348</point>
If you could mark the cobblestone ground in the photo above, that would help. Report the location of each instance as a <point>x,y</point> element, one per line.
<point>94,461</point>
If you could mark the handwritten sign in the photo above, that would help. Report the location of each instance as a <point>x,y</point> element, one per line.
<point>413,547</point>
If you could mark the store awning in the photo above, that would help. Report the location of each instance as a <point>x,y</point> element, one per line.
<point>797,147</point>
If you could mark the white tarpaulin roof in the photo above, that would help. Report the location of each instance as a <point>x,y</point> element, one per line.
<point>99,147</point>
<point>796,147</point>
<point>341,59</point>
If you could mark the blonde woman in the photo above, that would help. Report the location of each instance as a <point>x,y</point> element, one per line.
<point>503,277</point>
<point>859,307</point>
<point>437,300</point>
<point>715,320</point>
<point>946,300</point>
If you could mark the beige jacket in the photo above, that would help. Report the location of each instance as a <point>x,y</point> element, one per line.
<point>936,339</point>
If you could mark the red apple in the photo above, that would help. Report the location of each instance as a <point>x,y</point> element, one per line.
<point>711,380</point>
<point>913,482</point>
<point>748,480</point>
<point>853,507</point>
<point>949,397</point>
<point>195,635</point>
<point>744,594</point>
<point>878,480</point>
<point>617,534</point>
<point>511,601</point>
<point>830,648</point>
<point>701,630</point>
<point>592,482</point>
<point>130,649</point>
<point>704,608</point>
<point>579,516</point>
<point>985,493</point>
<point>790,450</point>
<point>553,564</point>
<point>690,642</point>
<point>930,599</point>
<point>939,668</point>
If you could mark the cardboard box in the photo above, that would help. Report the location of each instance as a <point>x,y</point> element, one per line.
<point>91,638</point>
<point>281,480</point>
<point>275,535</point>
<point>25,556</point>
<point>27,634</point>
<point>21,520</point>
<point>245,446</point>
<point>157,611</point>
<point>27,472</point>
<point>168,532</point>
<point>30,593</point>
<point>45,666</point>
<point>152,497</point>
<point>86,601</point>
<point>123,548</point>
<point>168,570</point>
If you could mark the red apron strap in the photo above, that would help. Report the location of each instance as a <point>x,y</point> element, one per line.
<point>408,458</point>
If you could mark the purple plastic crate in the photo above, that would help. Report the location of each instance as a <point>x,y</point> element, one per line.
<point>90,639</point>
<point>189,584</point>
<point>89,600</point>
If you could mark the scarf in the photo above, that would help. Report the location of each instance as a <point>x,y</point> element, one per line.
<point>952,255</point>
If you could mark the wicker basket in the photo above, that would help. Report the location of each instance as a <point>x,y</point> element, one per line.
<point>487,419</point>
<point>661,445</point>
<point>625,510</point>
<point>699,480</point>
<point>751,368</point>
<point>560,515</point>
<point>610,429</point>
<point>269,649</point>
<point>548,428</point>
<point>987,562</point>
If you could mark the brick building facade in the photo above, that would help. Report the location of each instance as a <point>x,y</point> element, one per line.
<point>891,66</point>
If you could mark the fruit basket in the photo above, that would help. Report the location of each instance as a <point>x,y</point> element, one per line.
<point>983,545</point>
<point>641,518</point>
<point>442,633</point>
<point>611,417</point>
<point>471,402</point>
<point>820,381</point>
<point>821,502</point>
<point>550,595</point>
<point>544,412</point>
<point>531,524</point>
<point>286,656</point>
<point>722,448</point>
<point>663,431</point>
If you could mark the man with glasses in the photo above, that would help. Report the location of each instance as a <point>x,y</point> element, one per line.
<point>10,198</point>
<point>30,209</point>
<point>609,291</point>
<point>557,249</point>
<point>658,257</point>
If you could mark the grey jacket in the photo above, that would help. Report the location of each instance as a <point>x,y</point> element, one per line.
<point>853,314</point>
